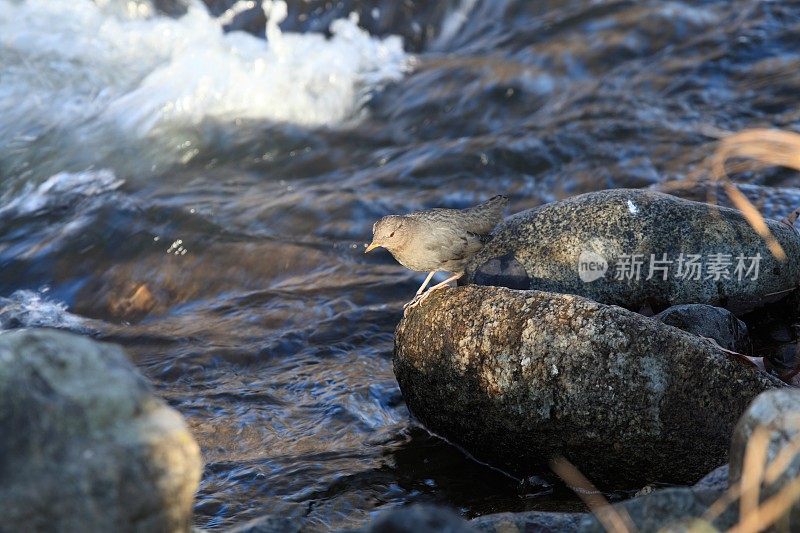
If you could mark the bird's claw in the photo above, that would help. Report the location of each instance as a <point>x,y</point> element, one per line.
<point>414,302</point>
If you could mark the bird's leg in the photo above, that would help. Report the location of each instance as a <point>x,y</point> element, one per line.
<point>421,288</point>
<point>445,282</point>
<point>425,283</point>
<point>419,299</point>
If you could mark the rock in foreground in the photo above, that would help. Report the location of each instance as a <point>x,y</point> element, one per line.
<point>640,249</point>
<point>777,413</point>
<point>84,443</point>
<point>516,377</point>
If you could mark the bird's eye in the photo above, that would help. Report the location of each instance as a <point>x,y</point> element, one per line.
<point>391,235</point>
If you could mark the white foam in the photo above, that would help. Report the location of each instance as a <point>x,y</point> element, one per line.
<point>64,188</point>
<point>97,71</point>
<point>30,309</point>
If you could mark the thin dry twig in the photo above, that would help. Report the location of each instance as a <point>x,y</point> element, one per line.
<point>612,519</point>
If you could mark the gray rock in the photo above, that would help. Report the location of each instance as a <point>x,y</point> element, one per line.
<point>711,322</point>
<point>716,480</point>
<point>540,249</point>
<point>778,411</point>
<point>419,519</point>
<point>669,509</point>
<point>663,510</point>
<point>539,521</point>
<point>84,443</point>
<point>516,377</point>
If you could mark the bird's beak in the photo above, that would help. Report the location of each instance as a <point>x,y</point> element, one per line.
<point>372,246</point>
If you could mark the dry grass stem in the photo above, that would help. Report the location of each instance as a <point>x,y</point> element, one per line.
<point>763,148</point>
<point>755,219</point>
<point>613,520</point>
<point>754,515</point>
<point>755,457</point>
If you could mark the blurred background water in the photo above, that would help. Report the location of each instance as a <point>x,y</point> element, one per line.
<point>197,182</point>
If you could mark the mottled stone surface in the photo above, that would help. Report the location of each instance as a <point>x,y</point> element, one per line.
<point>779,412</point>
<point>539,521</point>
<point>666,508</point>
<point>716,480</point>
<point>84,443</point>
<point>419,518</point>
<point>711,322</point>
<point>540,249</point>
<point>516,377</point>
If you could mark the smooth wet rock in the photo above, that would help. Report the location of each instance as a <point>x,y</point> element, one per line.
<point>540,521</point>
<point>664,510</point>
<point>517,377</point>
<point>419,519</point>
<point>669,508</point>
<point>778,411</point>
<point>784,361</point>
<point>85,445</point>
<point>716,480</point>
<point>607,233</point>
<point>711,322</point>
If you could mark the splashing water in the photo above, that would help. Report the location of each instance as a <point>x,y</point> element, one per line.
<point>62,189</point>
<point>129,84</point>
<point>31,309</point>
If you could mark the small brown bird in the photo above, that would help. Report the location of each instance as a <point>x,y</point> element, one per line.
<point>437,240</point>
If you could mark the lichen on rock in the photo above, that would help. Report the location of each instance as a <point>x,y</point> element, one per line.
<point>542,248</point>
<point>517,377</point>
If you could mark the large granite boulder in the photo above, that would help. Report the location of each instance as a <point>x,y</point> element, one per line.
<point>85,445</point>
<point>640,249</point>
<point>517,377</point>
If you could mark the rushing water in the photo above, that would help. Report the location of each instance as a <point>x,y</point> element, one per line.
<point>203,198</point>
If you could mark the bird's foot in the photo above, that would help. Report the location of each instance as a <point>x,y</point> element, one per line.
<point>415,301</point>
<point>419,298</point>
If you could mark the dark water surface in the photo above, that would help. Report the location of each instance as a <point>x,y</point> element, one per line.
<point>266,326</point>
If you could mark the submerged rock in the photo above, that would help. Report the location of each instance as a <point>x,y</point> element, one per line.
<point>639,249</point>
<point>778,412</point>
<point>711,322</point>
<point>517,377</point>
<point>84,443</point>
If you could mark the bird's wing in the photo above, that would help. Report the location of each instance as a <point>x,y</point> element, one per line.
<point>448,244</point>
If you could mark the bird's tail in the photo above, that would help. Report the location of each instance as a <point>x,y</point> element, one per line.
<point>494,205</point>
<point>484,217</point>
